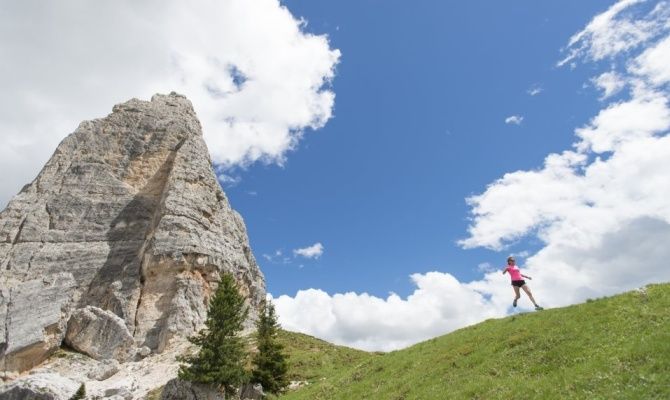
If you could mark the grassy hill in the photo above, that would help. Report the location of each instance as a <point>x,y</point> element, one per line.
<point>313,360</point>
<point>611,348</point>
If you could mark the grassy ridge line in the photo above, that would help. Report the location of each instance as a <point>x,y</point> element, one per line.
<point>612,348</point>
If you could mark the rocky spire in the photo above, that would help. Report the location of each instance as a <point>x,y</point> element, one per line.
<point>123,234</point>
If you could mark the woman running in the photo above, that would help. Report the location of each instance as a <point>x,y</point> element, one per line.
<point>518,282</point>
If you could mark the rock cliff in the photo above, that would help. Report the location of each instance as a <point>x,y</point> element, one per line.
<point>123,236</point>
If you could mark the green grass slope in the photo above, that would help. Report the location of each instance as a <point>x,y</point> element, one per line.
<point>612,348</point>
<point>314,360</point>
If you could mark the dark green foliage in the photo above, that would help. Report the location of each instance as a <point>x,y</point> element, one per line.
<point>221,358</point>
<point>80,394</point>
<point>269,364</point>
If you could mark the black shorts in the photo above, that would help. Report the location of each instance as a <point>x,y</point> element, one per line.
<point>518,283</point>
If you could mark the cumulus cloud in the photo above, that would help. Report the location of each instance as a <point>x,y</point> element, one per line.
<point>610,83</point>
<point>599,209</point>
<point>313,251</point>
<point>256,78</point>
<point>653,63</point>
<point>440,303</point>
<point>514,119</point>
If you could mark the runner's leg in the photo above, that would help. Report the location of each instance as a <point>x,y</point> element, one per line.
<point>517,295</point>
<point>528,292</point>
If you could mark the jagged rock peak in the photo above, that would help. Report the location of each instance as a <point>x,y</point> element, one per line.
<point>128,221</point>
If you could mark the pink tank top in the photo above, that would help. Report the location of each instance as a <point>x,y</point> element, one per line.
<point>515,273</point>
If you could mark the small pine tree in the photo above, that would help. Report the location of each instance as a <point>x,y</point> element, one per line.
<point>269,364</point>
<point>221,358</point>
<point>80,394</point>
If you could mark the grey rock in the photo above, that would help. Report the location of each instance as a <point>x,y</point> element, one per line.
<point>144,351</point>
<point>127,216</point>
<point>40,387</point>
<point>104,370</point>
<point>36,312</point>
<point>294,385</point>
<point>177,389</point>
<point>119,393</point>
<point>252,392</point>
<point>100,334</point>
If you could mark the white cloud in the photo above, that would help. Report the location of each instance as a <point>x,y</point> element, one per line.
<point>523,200</point>
<point>620,123</point>
<point>535,90</point>
<point>485,267</point>
<point>277,258</point>
<point>439,304</point>
<point>612,33</point>
<point>256,79</point>
<point>653,63</point>
<point>228,181</point>
<point>313,251</point>
<point>610,83</point>
<point>514,119</point>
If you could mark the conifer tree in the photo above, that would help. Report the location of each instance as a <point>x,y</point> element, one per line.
<point>269,364</point>
<point>80,394</point>
<point>221,358</point>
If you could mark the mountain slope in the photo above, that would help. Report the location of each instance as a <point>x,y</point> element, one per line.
<point>617,347</point>
<point>312,360</point>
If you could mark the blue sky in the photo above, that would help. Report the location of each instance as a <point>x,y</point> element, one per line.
<point>422,94</point>
<point>386,156</point>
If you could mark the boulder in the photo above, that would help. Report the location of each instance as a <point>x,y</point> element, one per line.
<point>143,352</point>
<point>295,385</point>
<point>177,389</point>
<point>104,370</point>
<point>100,334</point>
<point>252,391</point>
<point>118,393</point>
<point>44,386</point>
<point>35,312</point>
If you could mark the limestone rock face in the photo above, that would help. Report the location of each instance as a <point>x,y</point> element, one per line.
<point>127,216</point>
<point>100,334</point>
